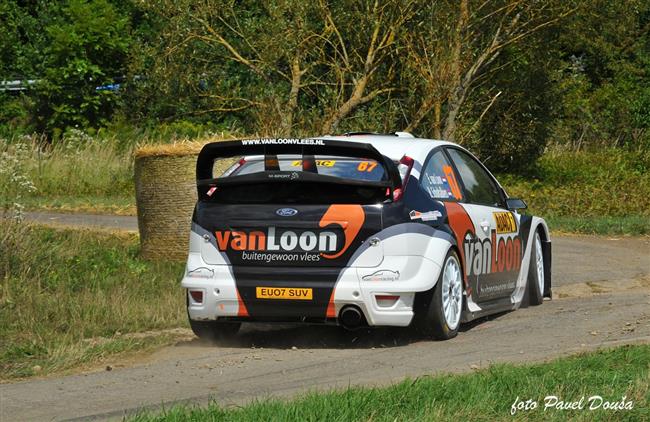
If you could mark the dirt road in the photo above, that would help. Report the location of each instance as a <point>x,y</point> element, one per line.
<point>602,298</point>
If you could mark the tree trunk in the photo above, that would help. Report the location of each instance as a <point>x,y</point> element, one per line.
<point>437,117</point>
<point>355,100</point>
<point>457,94</point>
<point>292,102</point>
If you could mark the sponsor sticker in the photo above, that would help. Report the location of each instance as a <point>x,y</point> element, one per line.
<point>283,141</point>
<point>491,255</point>
<point>320,163</point>
<point>200,272</point>
<point>283,293</point>
<point>382,275</point>
<point>425,216</point>
<point>285,176</point>
<point>505,222</point>
<point>336,231</point>
<point>212,190</point>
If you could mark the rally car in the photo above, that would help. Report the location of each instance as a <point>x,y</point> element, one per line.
<point>357,230</point>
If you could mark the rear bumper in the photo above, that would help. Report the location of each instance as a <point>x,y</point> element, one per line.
<point>401,276</point>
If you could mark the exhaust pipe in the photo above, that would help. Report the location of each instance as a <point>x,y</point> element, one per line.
<point>351,317</point>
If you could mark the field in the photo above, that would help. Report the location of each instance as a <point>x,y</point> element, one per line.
<point>72,298</point>
<point>616,375</point>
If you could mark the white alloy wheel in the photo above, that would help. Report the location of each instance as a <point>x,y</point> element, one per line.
<point>452,292</point>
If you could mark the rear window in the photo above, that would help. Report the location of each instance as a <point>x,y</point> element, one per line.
<point>305,192</point>
<point>342,167</point>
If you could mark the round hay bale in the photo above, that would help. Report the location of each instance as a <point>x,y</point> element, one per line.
<point>165,191</point>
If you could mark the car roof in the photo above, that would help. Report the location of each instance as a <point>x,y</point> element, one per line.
<point>394,146</point>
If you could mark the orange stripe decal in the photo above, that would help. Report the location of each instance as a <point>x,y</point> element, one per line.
<point>331,309</point>
<point>349,217</point>
<point>453,184</point>
<point>241,311</point>
<point>460,224</point>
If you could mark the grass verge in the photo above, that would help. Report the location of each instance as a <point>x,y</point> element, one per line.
<point>112,205</point>
<point>612,226</point>
<point>592,192</point>
<point>71,297</point>
<point>486,395</point>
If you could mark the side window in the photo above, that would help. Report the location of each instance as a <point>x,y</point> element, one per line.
<point>479,185</point>
<point>438,179</point>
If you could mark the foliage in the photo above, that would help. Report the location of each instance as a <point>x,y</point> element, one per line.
<point>75,165</point>
<point>609,182</point>
<point>506,78</point>
<point>87,47</point>
<point>485,395</point>
<point>71,297</point>
<point>604,75</point>
<point>15,182</point>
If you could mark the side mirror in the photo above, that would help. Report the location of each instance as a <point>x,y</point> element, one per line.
<point>515,204</point>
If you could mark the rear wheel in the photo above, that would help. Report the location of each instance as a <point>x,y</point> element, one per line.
<point>215,330</point>
<point>536,272</point>
<point>440,308</point>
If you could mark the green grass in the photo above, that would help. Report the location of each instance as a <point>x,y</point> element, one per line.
<point>79,173</point>
<point>114,205</point>
<point>597,192</point>
<point>486,395</point>
<point>71,298</point>
<point>613,226</point>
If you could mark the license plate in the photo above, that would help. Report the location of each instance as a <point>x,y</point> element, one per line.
<point>283,293</point>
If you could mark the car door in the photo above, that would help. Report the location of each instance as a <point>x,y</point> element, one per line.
<point>493,252</point>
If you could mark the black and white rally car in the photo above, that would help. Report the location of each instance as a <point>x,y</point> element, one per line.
<point>357,230</point>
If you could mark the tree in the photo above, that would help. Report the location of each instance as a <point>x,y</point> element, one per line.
<point>87,45</point>
<point>363,54</point>
<point>604,76</point>
<point>253,59</point>
<point>458,49</point>
<point>286,67</point>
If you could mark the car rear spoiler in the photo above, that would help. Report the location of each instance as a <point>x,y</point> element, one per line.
<point>307,148</point>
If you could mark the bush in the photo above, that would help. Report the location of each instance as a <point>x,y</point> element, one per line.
<point>594,184</point>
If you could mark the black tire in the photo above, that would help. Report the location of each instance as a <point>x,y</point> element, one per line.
<point>534,293</point>
<point>216,331</point>
<point>429,319</point>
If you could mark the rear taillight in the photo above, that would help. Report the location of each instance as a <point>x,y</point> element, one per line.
<point>197,296</point>
<point>386,301</point>
<point>404,167</point>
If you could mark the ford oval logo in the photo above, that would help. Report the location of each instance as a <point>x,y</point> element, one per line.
<point>286,212</point>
